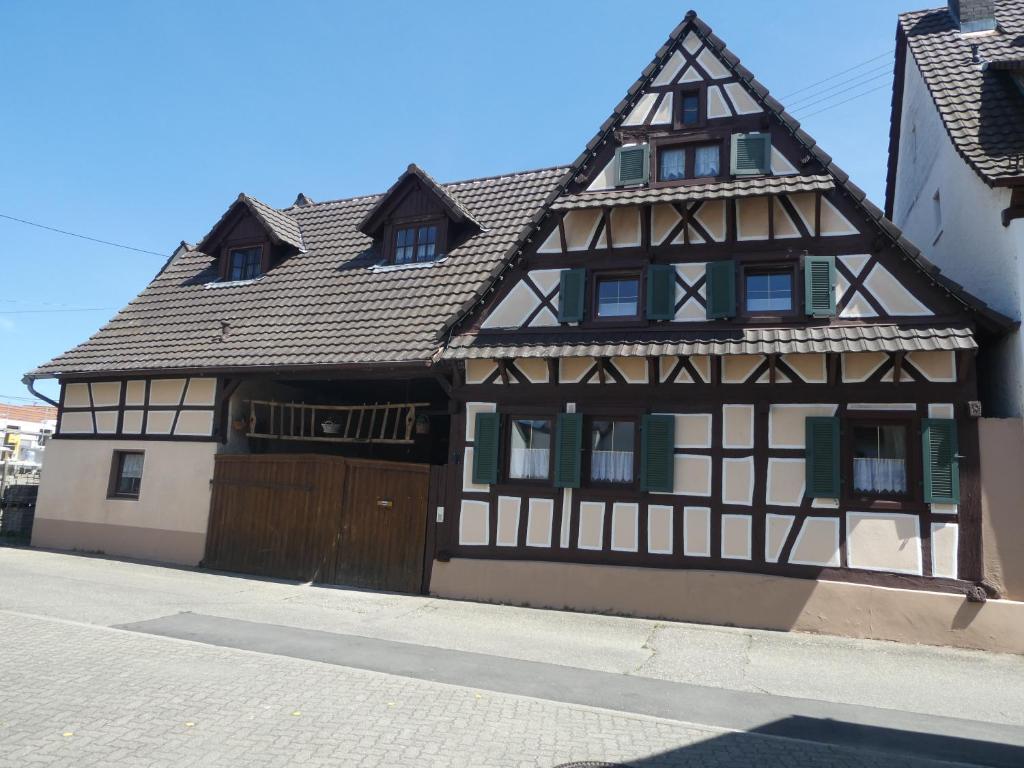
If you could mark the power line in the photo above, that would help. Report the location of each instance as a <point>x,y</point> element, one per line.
<point>852,82</point>
<point>845,101</point>
<point>49,311</point>
<point>82,237</point>
<point>826,99</point>
<point>838,74</point>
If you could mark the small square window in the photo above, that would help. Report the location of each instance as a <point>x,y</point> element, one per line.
<point>671,164</point>
<point>612,446</point>
<point>769,291</point>
<point>530,449</point>
<point>706,161</point>
<point>689,106</point>
<point>245,263</point>
<point>415,244</point>
<point>618,297</point>
<point>126,475</point>
<point>880,459</point>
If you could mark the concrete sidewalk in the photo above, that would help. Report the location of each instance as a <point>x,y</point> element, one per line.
<point>934,681</point>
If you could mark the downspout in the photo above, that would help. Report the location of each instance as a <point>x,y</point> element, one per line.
<point>29,381</point>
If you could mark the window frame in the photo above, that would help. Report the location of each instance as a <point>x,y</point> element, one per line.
<point>751,267</point>
<point>641,296</point>
<point>391,238</point>
<point>229,250</point>
<point>506,437</point>
<point>678,94</point>
<point>116,468</point>
<point>689,144</point>
<point>586,460</point>
<point>911,423</point>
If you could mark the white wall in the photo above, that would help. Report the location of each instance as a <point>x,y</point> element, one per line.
<point>167,522</point>
<point>968,240</point>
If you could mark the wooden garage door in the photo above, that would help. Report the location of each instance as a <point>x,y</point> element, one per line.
<point>383,526</point>
<point>320,518</point>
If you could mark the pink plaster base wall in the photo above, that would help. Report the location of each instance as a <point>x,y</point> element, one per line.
<point>739,599</point>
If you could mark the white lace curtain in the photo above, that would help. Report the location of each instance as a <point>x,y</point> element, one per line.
<point>880,475</point>
<point>529,463</point>
<point>612,466</point>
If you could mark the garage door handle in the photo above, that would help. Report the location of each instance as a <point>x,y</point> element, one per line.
<point>385,503</point>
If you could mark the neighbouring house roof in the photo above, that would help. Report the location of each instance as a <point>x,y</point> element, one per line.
<point>982,110</point>
<point>741,341</point>
<point>329,306</point>
<point>771,185</point>
<point>283,229</point>
<point>36,413</point>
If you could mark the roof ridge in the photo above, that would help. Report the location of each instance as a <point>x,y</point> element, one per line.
<point>371,195</point>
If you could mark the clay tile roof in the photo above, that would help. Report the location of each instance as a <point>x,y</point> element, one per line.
<point>982,109</point>
<point>773,185</point>
<point>330,306</point>
<point>38,413</point>
<point>746,341</point>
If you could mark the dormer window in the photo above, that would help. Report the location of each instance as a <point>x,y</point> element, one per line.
<point>413,244</point>
<point>245,263</point>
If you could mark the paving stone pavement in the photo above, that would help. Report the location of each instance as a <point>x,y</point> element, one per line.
<point>83,696</point>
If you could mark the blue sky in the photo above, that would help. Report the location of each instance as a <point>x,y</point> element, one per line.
<point>140,122</point>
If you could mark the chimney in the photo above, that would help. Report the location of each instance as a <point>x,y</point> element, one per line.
<point>974,15</point>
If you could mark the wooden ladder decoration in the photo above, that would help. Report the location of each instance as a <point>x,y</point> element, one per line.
<point>384,423</point>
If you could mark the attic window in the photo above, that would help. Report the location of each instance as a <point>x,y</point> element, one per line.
<point>414,244</point>
<point>245,263</point>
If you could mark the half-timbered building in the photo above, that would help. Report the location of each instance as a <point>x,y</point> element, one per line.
<point>696,373</point>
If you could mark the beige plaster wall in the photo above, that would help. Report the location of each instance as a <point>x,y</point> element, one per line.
<point>1002,503</point>
<point>740,599</point>
<point>167,522</point>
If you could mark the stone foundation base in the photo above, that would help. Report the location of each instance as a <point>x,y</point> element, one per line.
<point>740,599</point>
<point>178,547</point>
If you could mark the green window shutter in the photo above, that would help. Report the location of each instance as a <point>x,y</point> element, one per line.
<point>657,453</point>
<point>822,457</point>
<point>661,292</point>
<point>486,448</point>
<point>751,154</point>
<point>568,444</point>
<point>820,286</point>
<point>572,295</point>
<point>941,462</point>
<point>632,164</point>
<point>721,289</point>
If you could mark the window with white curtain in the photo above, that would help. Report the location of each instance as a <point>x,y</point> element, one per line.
<point>530,449</point>
<point>612,444</point>
<point>880,458</point>
<point>126,480</point>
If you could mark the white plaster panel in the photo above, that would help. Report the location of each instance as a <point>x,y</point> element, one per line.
<point>159,422</point>
<point>478,371</point>
<point>743,103</point>
<point>711,216</point>
<point>737,539</point>
<point>893,297</point>
<point>940,411</point>
<point>877,541</point>
<point>693,430</point>
<point>663,115</point>
<point>468,485</point>
<point>507,534</point>
<point>691,75</point>
<point>738,426</point>
<point>106,393</point>
<point>591,526</point>
<point>643,108</point>
<point>659,529</point>
<point>785,227</point>
<point>716,105</point>
<point>736,369</point>
<point>474,523</point>
<point>541,522</point>
<point>135,392</point>
<point>692,475</point>
<point>786,423</point>
<point>781,166</point>
<point>663,219</point>
<point>194,423</point>
<point>671,70</point>
<point>833,223</point>
<point>106,422</point>
<point>712,65</point>
<point>166,391</point>
<point>945,549</point>
<point>691,43</point>
<point>514,309</point>
<point>605,180</point>
<point>201,391</point>
<point>936,365</point>
<point>855,262</point>
<point>472,409</point>
<point>580,228</point>
<point>547,280</point>
<point>626,227</point>
<point>625,527</point>
<point>697,531</point>
<point>738,481</point>
<point>76,396</point>
<point>810,367</point>
<point>777,529</point>
<point>131,424</point>
<point>786,482</point>
<point>817,543</point>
